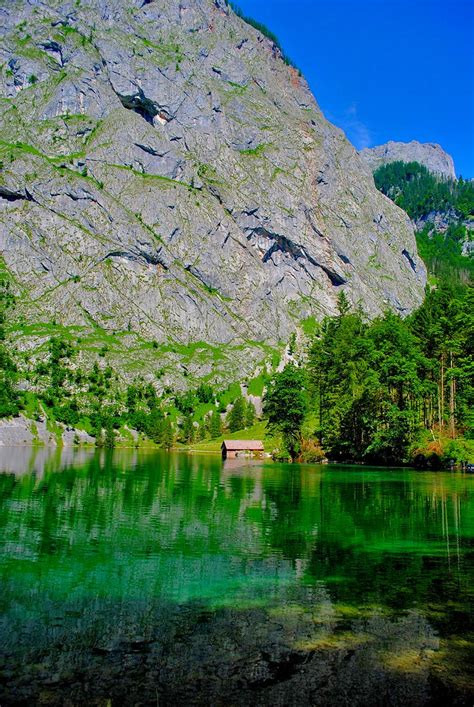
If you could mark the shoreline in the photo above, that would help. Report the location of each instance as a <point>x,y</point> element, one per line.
<point>51,450</point>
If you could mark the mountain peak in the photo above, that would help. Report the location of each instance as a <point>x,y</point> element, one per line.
<point>429,154</point>
<point>169,178</point>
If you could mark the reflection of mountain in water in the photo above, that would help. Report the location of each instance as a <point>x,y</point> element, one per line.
<point>38,460</point>
<point>131,575</point>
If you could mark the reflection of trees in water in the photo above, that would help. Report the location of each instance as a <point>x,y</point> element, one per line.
<point>396,542</point>
<point>405,528</point>
<point>165,523</point>
<point>121,560</point>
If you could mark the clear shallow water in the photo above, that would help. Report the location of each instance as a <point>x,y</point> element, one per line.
<point>144,578</point>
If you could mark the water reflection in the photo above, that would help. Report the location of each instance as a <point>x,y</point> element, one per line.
<point>133,575</point>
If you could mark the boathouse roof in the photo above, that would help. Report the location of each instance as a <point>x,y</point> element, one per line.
<point>242,445</point>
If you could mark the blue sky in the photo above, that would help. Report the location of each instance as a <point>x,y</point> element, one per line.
<point>385,69</point>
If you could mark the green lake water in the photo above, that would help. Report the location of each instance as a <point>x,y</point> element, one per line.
<point>133,578</point>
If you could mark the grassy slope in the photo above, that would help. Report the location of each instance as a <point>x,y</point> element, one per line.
<point>257,431</point>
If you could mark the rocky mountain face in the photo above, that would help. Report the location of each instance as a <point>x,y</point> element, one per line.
<point>432,156</point>
<point>171,194</point>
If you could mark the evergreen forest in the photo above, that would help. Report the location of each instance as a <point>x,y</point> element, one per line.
<point>443,210</point>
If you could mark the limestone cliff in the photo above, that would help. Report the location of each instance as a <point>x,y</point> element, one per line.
<point>432,156</point>
<point>171,192</point>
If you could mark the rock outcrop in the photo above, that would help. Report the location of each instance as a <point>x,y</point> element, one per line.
<point>20,431</point>
<point>167,179</point>
<point>432,156</point>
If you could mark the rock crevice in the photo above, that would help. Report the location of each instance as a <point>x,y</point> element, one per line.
<point>174,137</point>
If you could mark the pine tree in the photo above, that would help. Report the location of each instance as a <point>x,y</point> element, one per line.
<point>109,442</point>
<point>155,425</point>
<point>250,414</point>
<point>236,417</point>
<point>292,344</point>
<point>215,425</point>
<point>9,398</point>
<point>285,406</point>
<point>168,434</point>
<point>99,437</point>
<point>343,304</point>
<point>188,430</point>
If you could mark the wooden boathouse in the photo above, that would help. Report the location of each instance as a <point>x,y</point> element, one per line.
<point>232,448</point>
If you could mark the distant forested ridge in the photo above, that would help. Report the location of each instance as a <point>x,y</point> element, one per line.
<point>419,192</point>
<point>442,209</point>
<point>443,254</point>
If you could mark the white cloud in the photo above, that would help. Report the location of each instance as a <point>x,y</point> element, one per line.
<point>357,132</point>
